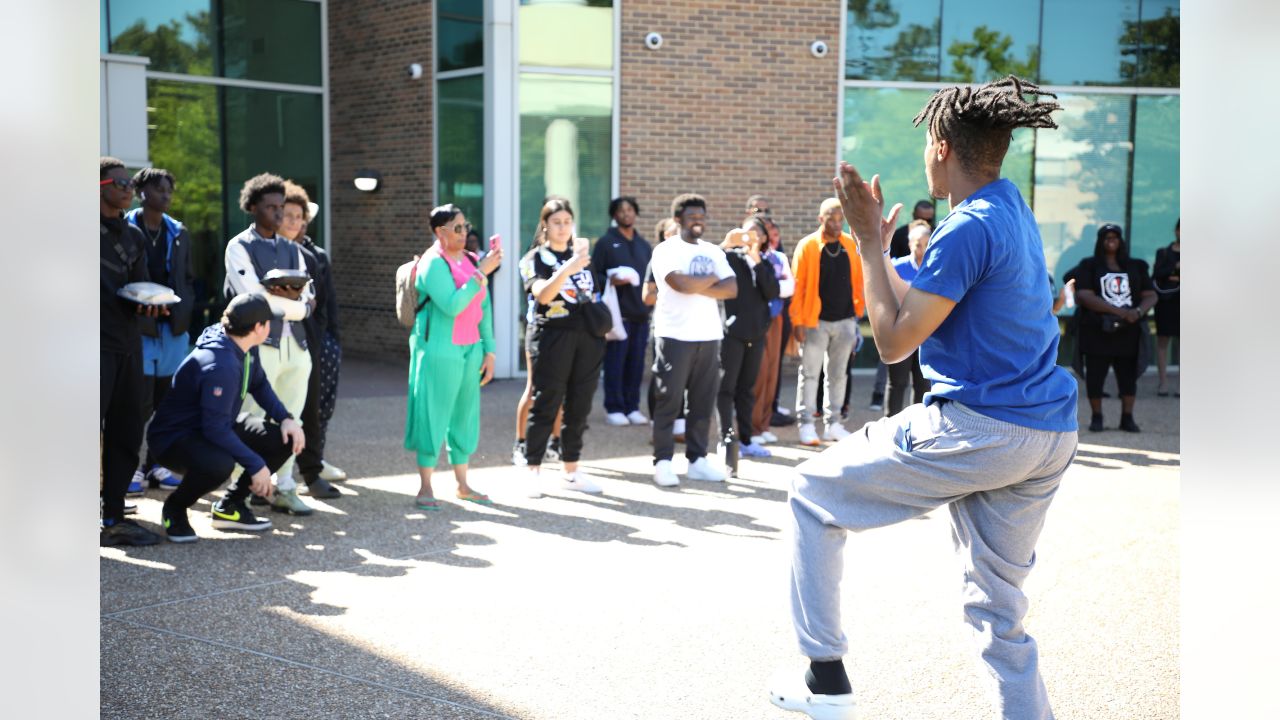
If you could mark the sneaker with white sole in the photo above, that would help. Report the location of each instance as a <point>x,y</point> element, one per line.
<point>635,417</point>
<point>553,451</point>
<point>517,454</point>
<point>835,432</point>
<point>580,481</point>
<point>769,437</point>
<point>664,475</point>
<point>531,483</point>
<point>616,419</point>
<point>755,450</point>
<point>809,435</point>
<point>136,486</point>
<point>332,473</point>
<point>287,501</point>
<point>235,515</point>
<point>793,694</point>
<point>702,469</point>
<point>161,476</point>
<point>758,440</point>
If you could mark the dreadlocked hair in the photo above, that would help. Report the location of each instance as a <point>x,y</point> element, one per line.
<point>978,122</point>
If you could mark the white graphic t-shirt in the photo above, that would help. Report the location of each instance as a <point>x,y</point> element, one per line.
<point>677,315</point>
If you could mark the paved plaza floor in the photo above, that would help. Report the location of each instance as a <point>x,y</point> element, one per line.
<point>643,602</point>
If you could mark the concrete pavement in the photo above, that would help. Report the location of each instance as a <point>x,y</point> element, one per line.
<point>641,603</point>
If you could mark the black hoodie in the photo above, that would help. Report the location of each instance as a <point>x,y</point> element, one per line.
<point>123,260</point>
<point>208,390</point>
<point>747,315</point>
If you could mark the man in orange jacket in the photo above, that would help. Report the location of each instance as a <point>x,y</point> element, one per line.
<point>824,312</point>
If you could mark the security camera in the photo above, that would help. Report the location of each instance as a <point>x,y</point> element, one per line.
<point>818,48</point>
<point>415,71</point>
<point>653,41</point>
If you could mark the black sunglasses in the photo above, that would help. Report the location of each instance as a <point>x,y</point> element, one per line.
<point>123,184</point>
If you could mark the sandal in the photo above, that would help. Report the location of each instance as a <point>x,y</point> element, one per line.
<point>427,503</point>
<point>475,497</point>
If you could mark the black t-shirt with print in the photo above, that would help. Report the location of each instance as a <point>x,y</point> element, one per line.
<point>1118,288</point>
<point>563,310</point>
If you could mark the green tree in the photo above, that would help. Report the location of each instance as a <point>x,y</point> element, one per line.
<point>987,57</point>
<point>1153,51</point>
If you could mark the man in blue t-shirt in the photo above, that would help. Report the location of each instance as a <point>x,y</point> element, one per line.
<point>993,436</point>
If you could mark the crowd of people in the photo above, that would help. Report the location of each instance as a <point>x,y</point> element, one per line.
<point>258,389</point>
<point>959,311</point>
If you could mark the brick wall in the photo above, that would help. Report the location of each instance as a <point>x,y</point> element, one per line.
<point>732,104</point>
<point>379,120</point>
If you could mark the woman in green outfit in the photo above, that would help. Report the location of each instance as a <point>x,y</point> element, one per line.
<point>450,353</point>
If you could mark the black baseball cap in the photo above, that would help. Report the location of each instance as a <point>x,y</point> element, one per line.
<point>1110,227</point>
<point>248,309</point>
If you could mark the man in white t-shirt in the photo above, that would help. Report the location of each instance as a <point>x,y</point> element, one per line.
<point>691,275</point>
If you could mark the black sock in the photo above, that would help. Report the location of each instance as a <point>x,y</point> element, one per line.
<point>827,678</point>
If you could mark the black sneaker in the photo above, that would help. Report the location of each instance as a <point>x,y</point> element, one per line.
<point>320,488</point>
<point>1095,425</point>
<point>1128,425</point>
<point>235,515</point>
<point>177,527</point>
<point>126,532</point>
<point>130,509</point>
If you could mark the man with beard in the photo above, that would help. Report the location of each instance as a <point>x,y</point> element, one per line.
<point>691,275</point>
<point>622,254</point>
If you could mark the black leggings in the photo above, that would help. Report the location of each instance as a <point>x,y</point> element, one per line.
<point>204,466</point>
<point>739,364</point>
<point>1095,373</point>
<point>566,370</point>
<point>902,374</point>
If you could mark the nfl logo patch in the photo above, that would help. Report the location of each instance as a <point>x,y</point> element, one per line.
<point>217,391</point>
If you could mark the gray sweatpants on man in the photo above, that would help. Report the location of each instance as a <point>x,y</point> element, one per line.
<point>997,480</point>
<point>680,365</point>
<point>825,348</point>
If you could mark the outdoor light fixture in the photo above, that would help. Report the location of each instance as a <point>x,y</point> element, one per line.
<point>368,180</point>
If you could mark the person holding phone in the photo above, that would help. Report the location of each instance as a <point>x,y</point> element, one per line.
<point>566,356</point>
<point>451,355</point>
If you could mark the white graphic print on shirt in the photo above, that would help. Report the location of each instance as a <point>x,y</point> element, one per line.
<point>1115,289</point>
<point>580,281</point>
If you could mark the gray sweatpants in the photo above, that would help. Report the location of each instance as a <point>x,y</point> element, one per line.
<point>825,348</point>
<point>997,479</point>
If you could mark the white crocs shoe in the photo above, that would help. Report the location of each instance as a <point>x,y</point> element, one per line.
<point>835,432</point>
<point>790,693</point>
<point>635,417</point>
<point>809,435</point>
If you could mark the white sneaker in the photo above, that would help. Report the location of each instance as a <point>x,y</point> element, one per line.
<point>792,694</point>
<point>835,431</point>
<point>677,429</point>
<point>665,475</point>
<point>637,418</point>
<point>701,469</point>
<point>616,419</point>
<point>759,440</point>
<point>532,482</point>
<point>769,437</point>
<point>581,482</point>
<point>332,473</point>
<point>808,435</point>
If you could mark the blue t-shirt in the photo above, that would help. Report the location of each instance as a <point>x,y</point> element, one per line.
<point>906,267</point>
<point>997,351</point>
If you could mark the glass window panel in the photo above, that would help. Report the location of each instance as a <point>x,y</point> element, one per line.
<point>460,165</point>
<point>1082,176</point>
<point>566,148</point>
<point>1083,40</point>
<point>892,39</point>
<point>879,138</point>
<point>985,40</point>
<point>184,138</point>
<point>1156,174</point>
<point>275,132</point>
<point>104,44</point>
<point>1157,41</point>
<point>177,35</point>
<point>555,33</point>
<point>460,34</point>
<point>271,40</point>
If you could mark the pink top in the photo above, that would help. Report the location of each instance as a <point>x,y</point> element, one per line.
<point>466,327</point>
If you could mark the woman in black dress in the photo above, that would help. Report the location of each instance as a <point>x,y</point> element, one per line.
<point>1167,276</point>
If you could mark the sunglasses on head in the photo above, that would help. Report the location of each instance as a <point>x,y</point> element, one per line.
<point>123,184</point>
